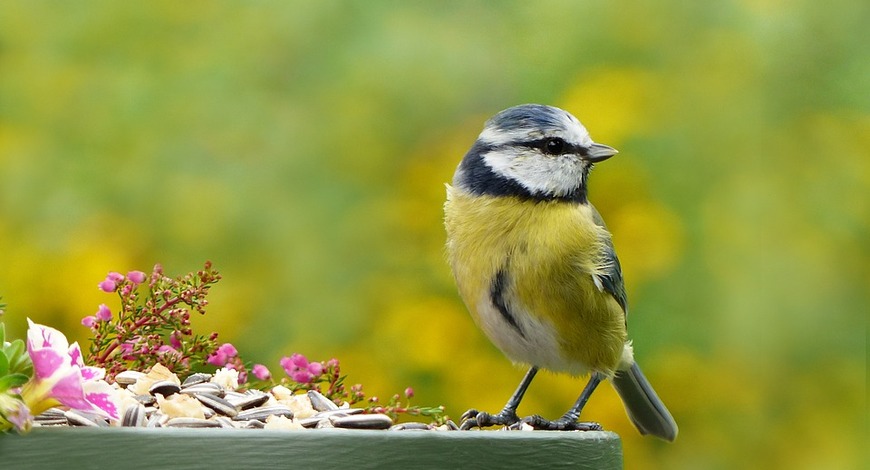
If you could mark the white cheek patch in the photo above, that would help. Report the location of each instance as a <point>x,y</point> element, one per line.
<point>540,174</point>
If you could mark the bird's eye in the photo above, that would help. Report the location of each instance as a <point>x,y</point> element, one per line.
<point>554,146</point>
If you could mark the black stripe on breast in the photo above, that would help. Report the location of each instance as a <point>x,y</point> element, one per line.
<point>496,295</point>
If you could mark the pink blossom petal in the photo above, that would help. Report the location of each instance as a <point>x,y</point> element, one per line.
<point>261,372</point>
<point>228,350</point>
<point>174,340</point>
<point>75,355</point>
<point>107,286</point>
<point>41,336</point>
<point>115,277</point>
<point>315,368</point>
<point>47,362</point>
<point>301,376</point>
<point>299,360</point>
<point>217,359</point>
<point>89,321</point>
<point>21,417</point>
<point>103,397</point>
<point>93,373</point>
<point>287,365</point>
<point>103,313</point>
<point>136,277</point>
<point>68,390</point>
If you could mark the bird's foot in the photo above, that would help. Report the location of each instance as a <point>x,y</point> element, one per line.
<point>562,424</point>
<point>481,419</point>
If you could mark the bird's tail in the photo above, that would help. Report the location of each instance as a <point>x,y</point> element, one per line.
<point>646,410</point>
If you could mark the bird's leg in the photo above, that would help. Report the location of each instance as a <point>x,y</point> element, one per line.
<point>568,421</point>
<point>507,416</point>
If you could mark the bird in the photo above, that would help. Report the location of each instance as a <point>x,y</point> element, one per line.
<point>536,266</point>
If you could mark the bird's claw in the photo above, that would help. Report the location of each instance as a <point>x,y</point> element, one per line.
<point>562,424</point>
<point>481,419</point>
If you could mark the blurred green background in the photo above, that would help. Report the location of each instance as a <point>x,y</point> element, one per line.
<point>303,147</point>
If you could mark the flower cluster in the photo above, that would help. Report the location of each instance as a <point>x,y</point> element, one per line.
<point>299,369</point>
<point>153,323</point>
<point>326,378</point>
<point>152,330</point>
<point>59,377</point>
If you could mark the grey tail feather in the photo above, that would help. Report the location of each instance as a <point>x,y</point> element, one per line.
<point>646,410</point>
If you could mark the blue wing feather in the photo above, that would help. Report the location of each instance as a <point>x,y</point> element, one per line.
<point>611,280</point>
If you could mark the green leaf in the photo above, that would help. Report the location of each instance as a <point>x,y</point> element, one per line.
<point>19,360</point>
<point>12,381</point>
<point>15,348</point>
<point>4,364</point>
<point>2,333</point>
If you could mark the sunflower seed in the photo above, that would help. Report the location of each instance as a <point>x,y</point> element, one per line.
<point>310,422</point>
<point>324,424</point>
<point>319,402</point>
<point>50,415</point>
<point>146,399</point>
<point>410,427</point>
<point>52,422</point>
<point>339,412</point>
<point>217,403</point>
<point>128,377</point>
<point>372,421</point>
<point>194,379</point>
<point>206,387</point>
<point>260,414</point>
<point>76,418</point>
<point>156,420</point>
<point>249,399</point>
<point>164,387</point>
<point>224,422</point>
<point>191,423</point>
<point>254,424</point>
<point>134,416</point>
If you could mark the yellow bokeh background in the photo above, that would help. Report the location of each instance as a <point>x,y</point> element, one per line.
<point>303,147</point>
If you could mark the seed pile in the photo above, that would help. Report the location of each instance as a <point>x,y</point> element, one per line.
<point>159,399</point>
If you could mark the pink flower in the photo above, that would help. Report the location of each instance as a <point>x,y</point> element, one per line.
<point>103,313</point>
<point>222,355</point>
<point>301,376</point>
<point>299,369</point>
<point>409,392</point>
<point>60,376</point>
<point>217,360</point>
<point>115,277</point>
<point>136,277</point>
<point>107,286</point>
<point>228,349</point>
<point>261,372</point>
<point>169,351</point>
<point>315,368</point>
<point>20,417</point>
<point>89,321</point>
<point>175,339</point>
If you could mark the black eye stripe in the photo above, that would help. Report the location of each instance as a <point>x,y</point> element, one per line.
<point>541,144</point>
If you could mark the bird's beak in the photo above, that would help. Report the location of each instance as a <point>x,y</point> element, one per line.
<point>599,153</point>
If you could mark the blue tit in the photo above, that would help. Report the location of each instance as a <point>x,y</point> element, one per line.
<point>536,267</point>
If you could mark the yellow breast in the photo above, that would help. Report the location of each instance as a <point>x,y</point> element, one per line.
<point>551,251</point>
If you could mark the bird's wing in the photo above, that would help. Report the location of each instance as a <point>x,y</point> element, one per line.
<point>610,280</point>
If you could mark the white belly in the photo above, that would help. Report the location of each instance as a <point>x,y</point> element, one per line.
<point>537,345</point>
